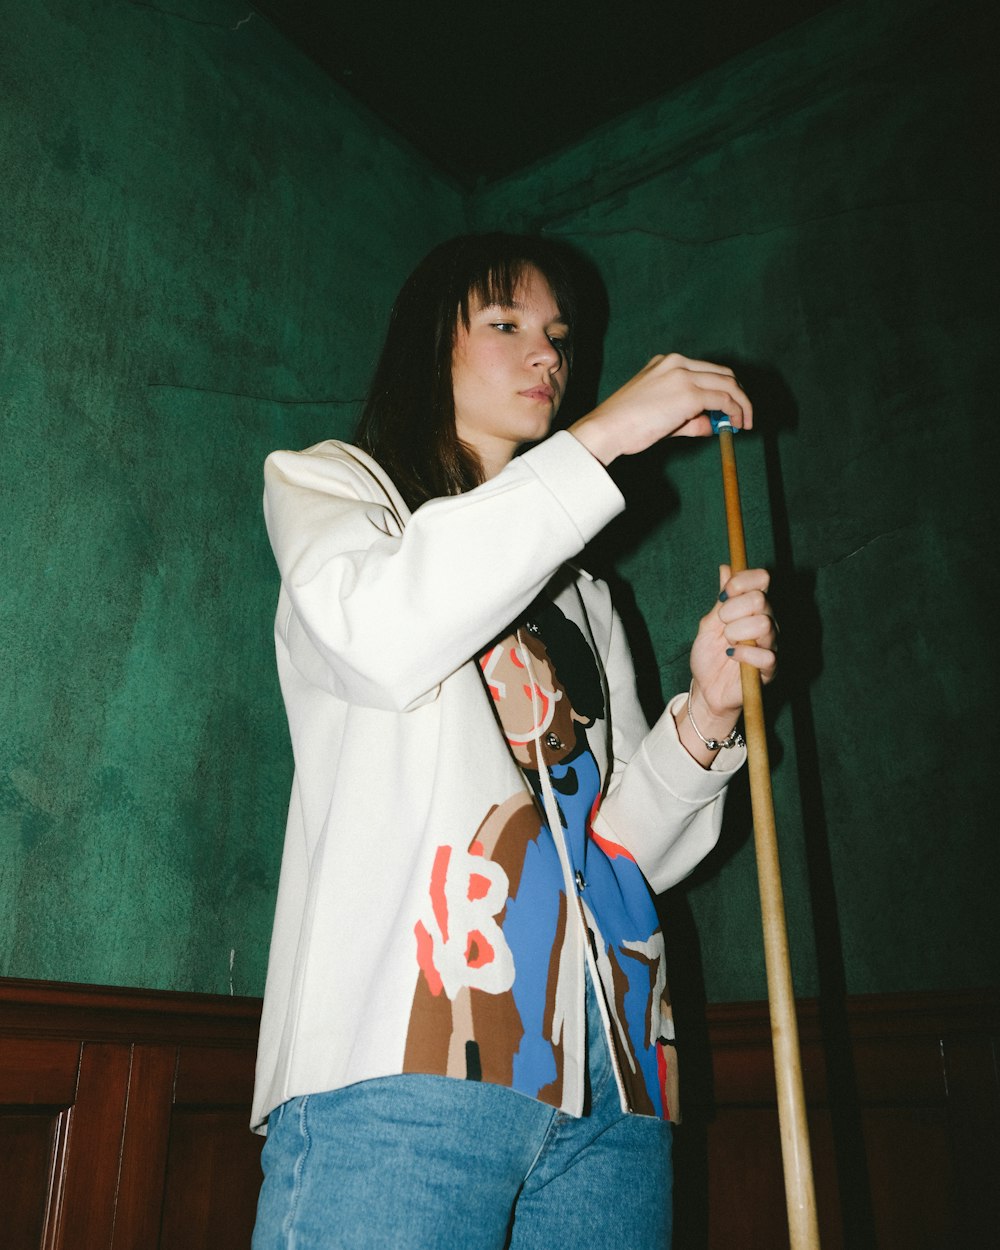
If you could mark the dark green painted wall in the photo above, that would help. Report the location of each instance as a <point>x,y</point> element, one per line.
<point>201,238</point>
<point>822,215</point>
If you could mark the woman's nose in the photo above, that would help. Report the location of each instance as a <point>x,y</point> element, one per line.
<point>545,352</point>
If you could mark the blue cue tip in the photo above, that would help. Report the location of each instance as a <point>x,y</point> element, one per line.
<point>720,422</point>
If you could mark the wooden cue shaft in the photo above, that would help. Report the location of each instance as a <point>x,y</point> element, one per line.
<point>800,1196</point>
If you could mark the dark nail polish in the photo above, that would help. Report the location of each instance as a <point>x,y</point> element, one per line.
<point>729,650</point>
<point>723,597</point>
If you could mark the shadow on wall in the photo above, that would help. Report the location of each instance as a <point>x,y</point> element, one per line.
<point>794,599</point>
<point>651,502</point>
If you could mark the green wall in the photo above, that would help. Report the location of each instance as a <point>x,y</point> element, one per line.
<point>821,214</point>
<point>201,237</point>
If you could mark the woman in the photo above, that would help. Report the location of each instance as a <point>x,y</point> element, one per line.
<point>466,1040</point>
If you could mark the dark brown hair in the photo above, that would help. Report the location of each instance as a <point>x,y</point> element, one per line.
<point>408,421</point>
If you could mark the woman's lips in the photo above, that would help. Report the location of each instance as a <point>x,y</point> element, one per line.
<point>539,392</point>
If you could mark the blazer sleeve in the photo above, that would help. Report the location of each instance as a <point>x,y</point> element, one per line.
<point>661,805</point>
<point>381,606</point>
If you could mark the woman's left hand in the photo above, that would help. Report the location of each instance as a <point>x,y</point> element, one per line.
<point>739,629</point>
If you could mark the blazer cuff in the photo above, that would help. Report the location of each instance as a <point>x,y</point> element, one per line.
<point>678,770</point>
<point>578,480</point>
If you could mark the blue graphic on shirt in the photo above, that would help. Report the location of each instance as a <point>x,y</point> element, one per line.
<point>491,940</point>
<point>618,896</point>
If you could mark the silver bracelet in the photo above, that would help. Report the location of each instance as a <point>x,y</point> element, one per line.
<point>733,739</point>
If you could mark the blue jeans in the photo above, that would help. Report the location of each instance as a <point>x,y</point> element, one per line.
<point>430,1163</point>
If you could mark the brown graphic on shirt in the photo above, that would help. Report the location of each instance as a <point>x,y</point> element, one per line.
<point>474,1032</point>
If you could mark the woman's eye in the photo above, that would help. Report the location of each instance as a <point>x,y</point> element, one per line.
<point>507,327</point>
<point>559,343</point>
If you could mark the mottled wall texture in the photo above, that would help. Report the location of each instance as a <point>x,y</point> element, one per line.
<point>201,237</point>
<point>822,214</point>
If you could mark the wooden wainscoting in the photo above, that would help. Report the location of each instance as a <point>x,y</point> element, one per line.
<point>123,1119</point>
<point>123,1122</point>
<point>904,1117</point>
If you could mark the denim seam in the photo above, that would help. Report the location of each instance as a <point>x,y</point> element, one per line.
<point>299,1168</point>
<point>607,1075</point>
<point>549,1132</point>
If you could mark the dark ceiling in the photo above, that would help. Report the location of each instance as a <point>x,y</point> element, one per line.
<point>484,88</point>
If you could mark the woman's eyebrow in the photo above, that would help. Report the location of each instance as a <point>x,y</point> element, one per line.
<point>516,306</point>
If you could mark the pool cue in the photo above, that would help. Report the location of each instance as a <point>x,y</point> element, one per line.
<point>800,1197</point>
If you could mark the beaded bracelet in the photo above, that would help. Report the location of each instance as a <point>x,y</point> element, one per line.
<point>733,739</point>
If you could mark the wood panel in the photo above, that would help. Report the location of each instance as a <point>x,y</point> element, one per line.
<point>123,1122</point>
<point>31,1153</point>
<point>212,1154</point>
<point>212,1180</point>
<point>123,1118</point>
<point>905,1129</point>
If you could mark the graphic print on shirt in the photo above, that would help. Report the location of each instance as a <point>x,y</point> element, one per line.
<point>489,998</point>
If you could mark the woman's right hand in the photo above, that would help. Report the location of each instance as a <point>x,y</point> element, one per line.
<point>669,397</point>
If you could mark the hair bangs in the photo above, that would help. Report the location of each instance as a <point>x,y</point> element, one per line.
<point>500,272</point>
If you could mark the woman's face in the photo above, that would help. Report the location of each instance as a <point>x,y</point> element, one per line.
<point>509,372</point>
